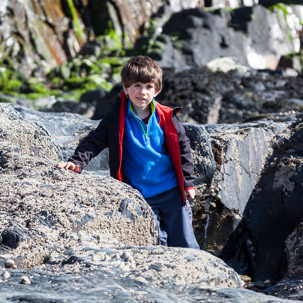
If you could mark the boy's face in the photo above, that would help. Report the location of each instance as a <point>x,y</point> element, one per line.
<point>141,94</point>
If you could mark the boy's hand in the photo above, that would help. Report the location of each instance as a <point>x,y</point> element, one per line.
<point>69,165</point>
<point>190,194</point>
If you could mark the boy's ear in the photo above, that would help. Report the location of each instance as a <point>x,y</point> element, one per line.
<point>157,92</point>
<point>125,90</point>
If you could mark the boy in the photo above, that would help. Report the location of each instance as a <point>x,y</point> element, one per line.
<point>148,149</point>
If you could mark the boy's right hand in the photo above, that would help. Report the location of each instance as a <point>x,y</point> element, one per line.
<point>69,165</point>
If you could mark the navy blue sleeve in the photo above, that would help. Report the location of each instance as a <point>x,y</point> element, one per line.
<point>91,145</point>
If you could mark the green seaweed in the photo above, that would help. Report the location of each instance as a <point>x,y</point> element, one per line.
<point>73,14</point>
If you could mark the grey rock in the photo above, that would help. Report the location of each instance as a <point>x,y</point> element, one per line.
<point>26,137</point>
<point>66,130</point>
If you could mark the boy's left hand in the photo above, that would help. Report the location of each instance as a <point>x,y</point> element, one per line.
<point>190,194</point>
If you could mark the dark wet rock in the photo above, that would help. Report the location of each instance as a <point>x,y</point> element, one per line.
<point>105,103</point>
<point>272,212</point>
<point>230,93</point>
<point>240,153</point>
<point>204,161</point>
<point>10,238</point>
<point>290,286</point>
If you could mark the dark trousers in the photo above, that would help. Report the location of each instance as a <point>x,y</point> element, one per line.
<point>174,219</point>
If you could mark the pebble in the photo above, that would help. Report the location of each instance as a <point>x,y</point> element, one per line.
<point>126,256</point>
<point>9,263</point>
<point>213,204</point>
<point>249,243</point>
<point>245,278</point>
<point>6,275</point>
<point>258,190</point>
<point>203,217</point>
<point>25,280</point>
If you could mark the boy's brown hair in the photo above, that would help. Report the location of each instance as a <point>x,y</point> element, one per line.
<point>141,69</point>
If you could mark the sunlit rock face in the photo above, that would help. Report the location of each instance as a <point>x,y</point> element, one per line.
<point>46,33</point>
<point>40,35</point>
<point>37,31</point>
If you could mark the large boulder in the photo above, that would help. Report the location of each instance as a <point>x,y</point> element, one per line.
<point>272,211</point>
<point>44,208</point>
<point>228,165</point>
<point>26,137</point>
<point>66,130</point>
<point>244,33</point>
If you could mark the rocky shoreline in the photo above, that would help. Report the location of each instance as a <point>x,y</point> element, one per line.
<point>65,231</point>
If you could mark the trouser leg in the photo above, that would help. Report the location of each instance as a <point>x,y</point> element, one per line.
<point>175,218</point>
<point>162,232</point>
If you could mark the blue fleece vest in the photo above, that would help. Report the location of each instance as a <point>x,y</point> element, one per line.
<point>146,162</point>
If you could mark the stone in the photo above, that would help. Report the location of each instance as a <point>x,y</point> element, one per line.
<point>244,33</point>
<point>272,213</point>
<point>27,137</point>
<point>6,275</point>
<point>9,263</point>
<point>103,231</point>
<point>25,280</point>
<point>66,130</point>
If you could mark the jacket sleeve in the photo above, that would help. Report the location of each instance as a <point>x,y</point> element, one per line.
<point>185,153</point>
<point>91,145</point>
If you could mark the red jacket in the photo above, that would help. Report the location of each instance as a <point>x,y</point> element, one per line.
<point>110,132</point>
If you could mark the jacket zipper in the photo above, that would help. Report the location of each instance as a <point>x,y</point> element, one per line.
<point>141,123</point>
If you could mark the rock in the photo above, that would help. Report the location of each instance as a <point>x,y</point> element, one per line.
<point>9,263</point>
<point>227,64</point>
<point>42,206</point>
<point>290,286</point>
<point>66,130</point>
<point>232,97</point>
<point>273,212</point>
<point>25,137</point>
<point>41,198</point>
<point>6,275</point>
<point>240,153</point>
<point>25,280</point>
<point>204,161</point>
<point>96,228</point>
<point>243,33</point>
<point>10,238</point>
